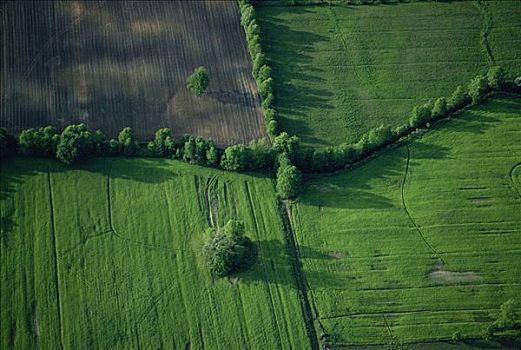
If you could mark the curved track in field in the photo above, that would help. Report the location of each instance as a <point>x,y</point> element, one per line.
<point>418,228</point>
<point>120,236</point>
<point>511,175</point>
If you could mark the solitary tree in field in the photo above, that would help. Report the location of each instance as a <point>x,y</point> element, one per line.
<point>227,250</point>
<point>198,81</point>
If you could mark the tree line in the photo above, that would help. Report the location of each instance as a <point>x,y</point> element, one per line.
<point>261,70</point>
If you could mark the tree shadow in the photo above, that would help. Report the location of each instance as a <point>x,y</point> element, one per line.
<point>299,86</point>
<point>274,266</point>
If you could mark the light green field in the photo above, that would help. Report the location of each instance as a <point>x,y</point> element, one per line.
<point>341,70</point>
<point>107,257</point>
<point>423,241</point>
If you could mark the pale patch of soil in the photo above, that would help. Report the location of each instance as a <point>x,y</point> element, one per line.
<point>336,255</point>
<point>442,276</point>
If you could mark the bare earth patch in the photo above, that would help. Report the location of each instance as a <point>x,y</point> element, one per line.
<point>442,276</point>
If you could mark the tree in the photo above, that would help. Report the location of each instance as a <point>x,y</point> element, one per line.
<point>507,316</point>
<point>478,88</point>
<point>7,144</point>
<point>212,155</point>
<point>227,250</point>
<point>236,158</point>
<point>420,115</point>
<point>495,77</point>
<point>127,144</point>
<point>458,98</point>
<point>38,142</point>
<point>198,81</point>
<point>76,143</point>
<point>284,143</point>
<point>289,178</point>
<point>440,107</point>
<point>163,144</point>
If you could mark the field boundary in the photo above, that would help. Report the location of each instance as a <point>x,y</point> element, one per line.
<point>56,274</point>
<point>300,279</point>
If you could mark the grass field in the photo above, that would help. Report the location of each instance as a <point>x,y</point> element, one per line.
<point>114,64</point>
<point>423,241</point>
<point>106,256</point>
<point>341,70</point>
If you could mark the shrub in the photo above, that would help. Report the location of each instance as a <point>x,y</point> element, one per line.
<point>478,88</point>
<point>212,155</point>
<point>258,62</point>
<point>198,81</point>
<point>495,77</point>
<point>128,146</point>
<point>235,158</point>
<point>261,155</point>
<point>7,144</point>
<point>163,144</point>
<point>263,74</point>
<point>507,316</point>
<point>289,178</point>
<point>38,142</point>
<point>76,143</point>
<point>227,250</point>
<point>440,108</point>
<point>284,143</point>
<point>458,99</point>
<point>456,336</point>
<point>420,115</point>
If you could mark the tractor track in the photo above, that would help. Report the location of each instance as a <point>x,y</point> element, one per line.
<point>418,228</point>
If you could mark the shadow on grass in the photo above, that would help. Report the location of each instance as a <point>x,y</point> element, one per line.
<point>299,83</point>
<point>274,266</point>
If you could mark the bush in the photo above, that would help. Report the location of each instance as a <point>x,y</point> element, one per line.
<point>227,250</point>
<point>261,155</point>
<point>163,144</point>
<point>496,77</point>
<point>38,142</point>
<point>235,158</point>
<point>263,74</point>
<point>76,143</point>
<point>507,316</point>
<point>289,178</point>
<point>456,336</point>
<point>458,99</point>
<point>284,143</point>
<point>420,115</point>
<point>212,155</point>
<point>198,81</point>
<point>128,146</point>
<point>440,108</point>
<point>478,87</point>
<point>7,144</point>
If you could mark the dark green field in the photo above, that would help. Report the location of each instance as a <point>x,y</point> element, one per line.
<point>341,70</point>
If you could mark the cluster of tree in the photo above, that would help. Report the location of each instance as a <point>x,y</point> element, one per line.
<point>289,178</point>
<point>257,155</point>
<point>507,319</point>
<point>261,70</point>
<point>227,250</point>
<point>198,81</point>
<point>440,108</point>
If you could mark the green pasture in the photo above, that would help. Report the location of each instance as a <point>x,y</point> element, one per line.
<point>341,70</point>
<point>421,242</point>
<point>107,256</point>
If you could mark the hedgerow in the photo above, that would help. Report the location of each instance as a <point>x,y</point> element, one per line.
<point>260,69</point>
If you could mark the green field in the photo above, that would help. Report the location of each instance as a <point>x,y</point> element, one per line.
<point>423,241</point>
<point>106,256</point>
<point>341,70</point>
